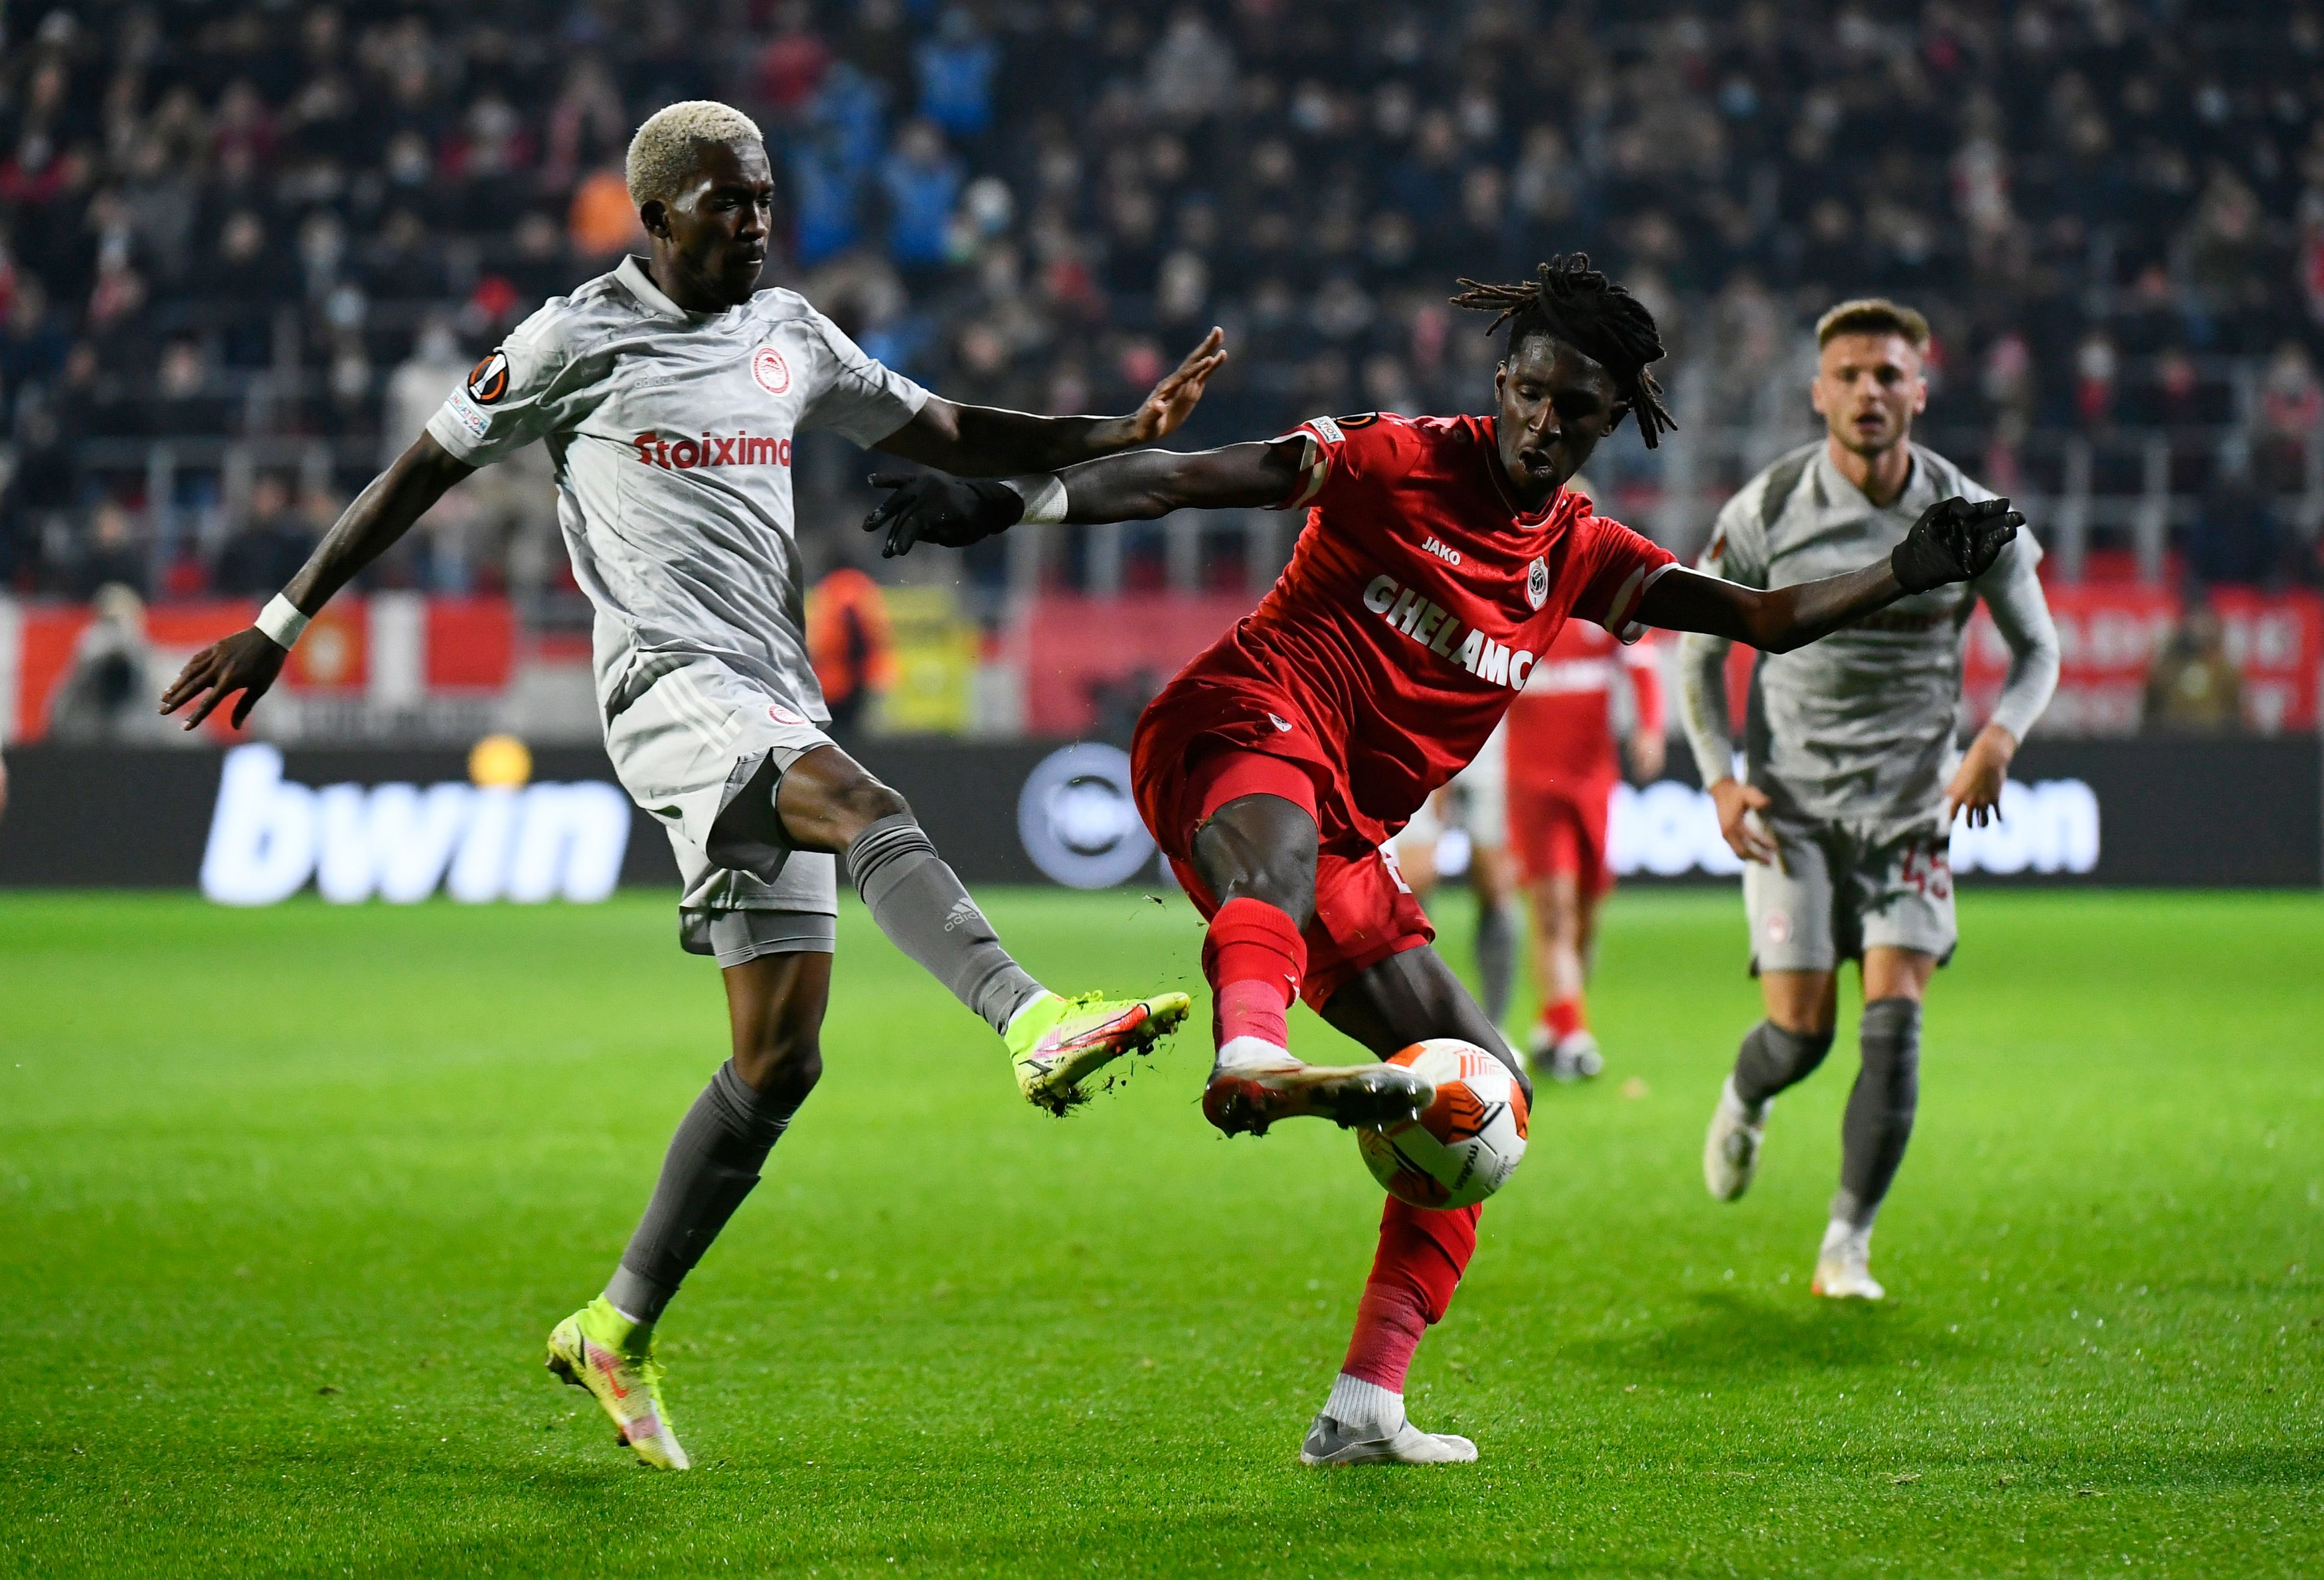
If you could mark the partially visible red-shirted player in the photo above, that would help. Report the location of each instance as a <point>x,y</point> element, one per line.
<point>1440,558</point>
<point>1560,776</point>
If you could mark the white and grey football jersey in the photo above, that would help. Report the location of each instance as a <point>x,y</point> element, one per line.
<point>670,434</point>
<point>1859,729</point>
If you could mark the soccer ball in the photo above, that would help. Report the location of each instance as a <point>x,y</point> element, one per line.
<point>1465,1146</point>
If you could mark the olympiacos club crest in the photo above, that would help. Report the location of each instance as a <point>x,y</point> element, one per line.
<point>1538,583</point>
<point>773,374</point>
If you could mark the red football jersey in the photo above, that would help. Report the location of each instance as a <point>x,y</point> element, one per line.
<point>1562,728</point>
<point>1414,609</point>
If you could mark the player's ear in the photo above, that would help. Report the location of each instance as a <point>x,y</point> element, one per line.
<point>654,214</point>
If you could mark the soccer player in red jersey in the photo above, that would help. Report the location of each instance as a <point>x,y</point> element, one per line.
<point>1440,558</point>
<point>1561,774</point>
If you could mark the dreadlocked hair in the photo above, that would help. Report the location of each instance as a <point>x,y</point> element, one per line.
<point>1568,300</point>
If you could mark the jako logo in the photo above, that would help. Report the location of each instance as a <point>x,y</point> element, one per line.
<point>484,842</point>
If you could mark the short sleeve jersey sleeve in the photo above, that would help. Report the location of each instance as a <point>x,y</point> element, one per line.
<point>1347,454</point>
<point>1738,549</point>
<point>854,395</point>
<point>1616,565</point>
<point>524,389</point>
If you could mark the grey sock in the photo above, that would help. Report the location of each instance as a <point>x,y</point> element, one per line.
<point>924,910</point>
<point>1772,1059</point>
<point>1879,1118</point>
<point>713,1162</point>
<point>1497,958</point>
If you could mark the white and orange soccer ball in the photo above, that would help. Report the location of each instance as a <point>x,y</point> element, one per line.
<point>1465,1146</point>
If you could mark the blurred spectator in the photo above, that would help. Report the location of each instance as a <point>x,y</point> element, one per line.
<point>2193,687</point>
<point>2242,538</point>
<point>956,70</point>
<point>270,546</point>
<point>850,644</point>
<point>600,221</point>
<point>113,553</point>
<point>921,180</point>
<point>107,693</point>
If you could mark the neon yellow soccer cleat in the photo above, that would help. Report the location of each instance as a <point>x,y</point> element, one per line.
<point>596,1348</point>
<point>1056,1042</point>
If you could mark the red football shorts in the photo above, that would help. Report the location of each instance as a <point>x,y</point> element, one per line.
<point>1562,831</point>
<point>1187,762</point>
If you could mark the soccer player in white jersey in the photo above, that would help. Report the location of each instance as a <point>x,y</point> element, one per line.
<point>668,392</point>
<point>1852,777</point>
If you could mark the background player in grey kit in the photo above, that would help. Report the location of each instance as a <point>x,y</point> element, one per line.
<point>666,392</point>
<point>1852,777</point>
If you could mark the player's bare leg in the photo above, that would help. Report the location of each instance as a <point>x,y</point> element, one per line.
<point>775,1007</point>
<point>1256,854</point>
<point>1422,1253</point>
<point>1566,922</point>
<point>828,801</point>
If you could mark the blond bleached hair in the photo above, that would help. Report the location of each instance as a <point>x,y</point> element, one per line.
<point>1873,316</point>
<point>662,155</point>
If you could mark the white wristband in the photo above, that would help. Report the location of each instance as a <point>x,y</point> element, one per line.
<point>281,622</point>
<point>1044,494</point>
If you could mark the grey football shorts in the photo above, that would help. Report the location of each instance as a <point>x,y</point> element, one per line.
<point>703,749</point>
<point>1835,896</point>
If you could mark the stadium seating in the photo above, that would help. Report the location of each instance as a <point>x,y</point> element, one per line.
<point>246,253</point>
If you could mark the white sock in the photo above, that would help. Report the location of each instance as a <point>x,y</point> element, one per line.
<point>1253,1053</point>
<point>1742,1109</point>
<point>1844,1240</point>
<point>1364,1407</point>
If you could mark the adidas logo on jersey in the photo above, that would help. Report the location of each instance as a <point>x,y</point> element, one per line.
<point>710,450</point>
<point>1411,613</point>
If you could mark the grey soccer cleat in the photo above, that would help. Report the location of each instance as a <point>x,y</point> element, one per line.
<point>1246,1098</point>
<point>1731,1150</point>
<point>1330,1443</point>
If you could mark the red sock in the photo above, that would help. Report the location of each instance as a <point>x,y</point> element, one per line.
<point>1254,958</point>
<point>1422,1251</point>
<point>1564,1017</point>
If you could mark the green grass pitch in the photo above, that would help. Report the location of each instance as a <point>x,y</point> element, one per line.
<point>291,1198</point>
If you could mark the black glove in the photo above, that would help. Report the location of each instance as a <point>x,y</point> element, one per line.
<point>954,511</point>
<point>1953,541</point>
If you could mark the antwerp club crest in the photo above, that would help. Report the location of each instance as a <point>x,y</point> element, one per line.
<point>773,374</point>
<point>1537,583</point>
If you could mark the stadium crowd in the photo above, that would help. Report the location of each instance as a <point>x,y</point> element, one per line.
<point>280,223</point>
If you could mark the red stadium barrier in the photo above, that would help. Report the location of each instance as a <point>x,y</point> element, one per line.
<point>458,646</point>
<point>1076,649</point>
<point>2108,637</point>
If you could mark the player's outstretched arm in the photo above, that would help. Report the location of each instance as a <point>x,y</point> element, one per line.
<point>1953,541</point>
<point>987,441</point>
<point>1137,486</point>
<point>249,660</point>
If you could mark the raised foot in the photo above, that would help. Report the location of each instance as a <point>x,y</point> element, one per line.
<point>1057,1044</point>
<point>590,1350</point>
<point>1730,1147</point>
<point>1330,1442</point>
<point>1245,1101</point>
